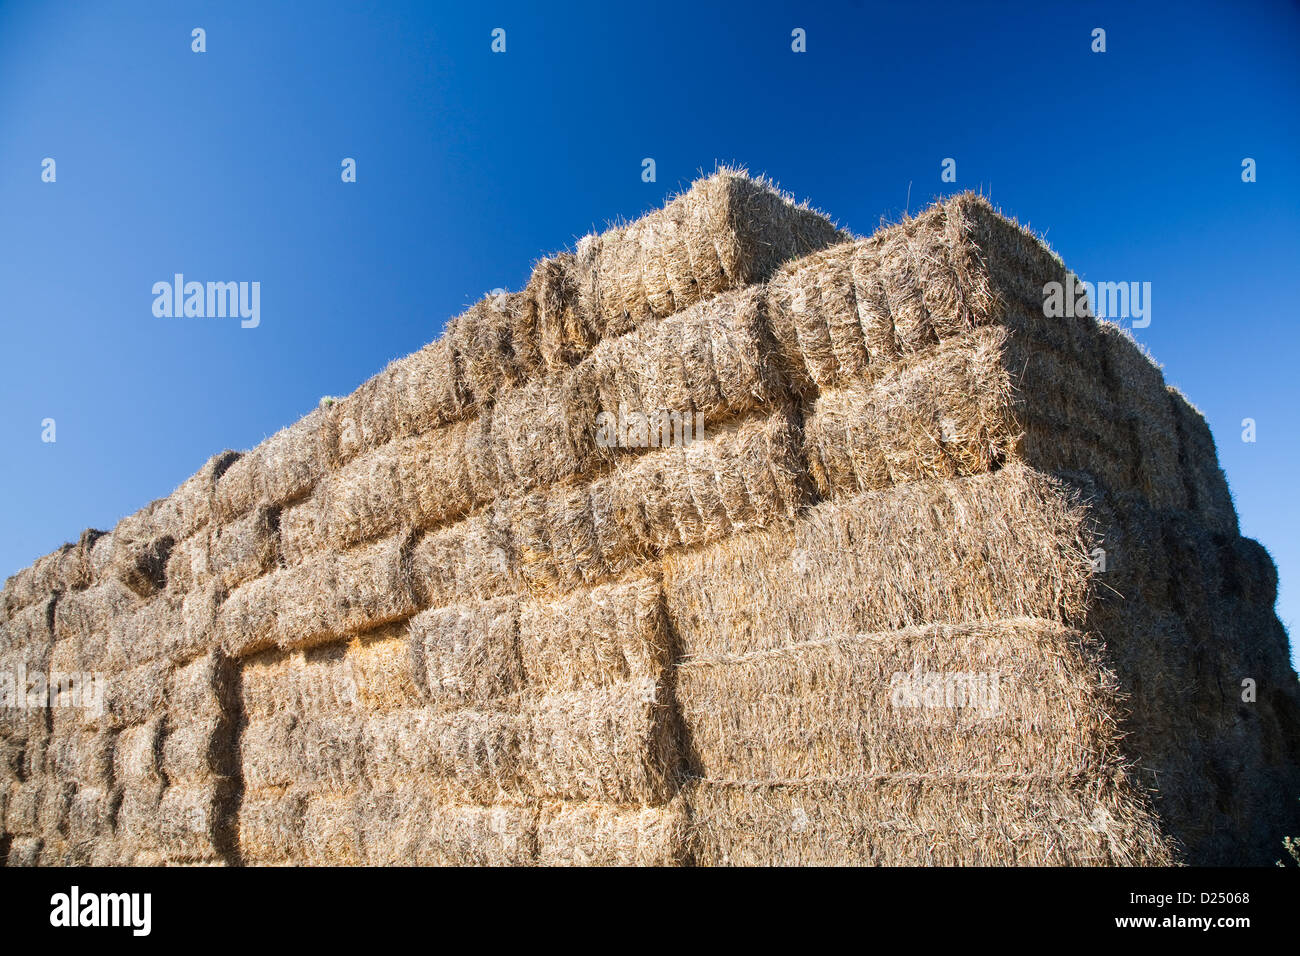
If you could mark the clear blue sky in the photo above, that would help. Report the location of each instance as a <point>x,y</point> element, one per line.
<point>225,165</point>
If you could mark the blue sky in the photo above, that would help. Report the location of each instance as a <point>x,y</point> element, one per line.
<point>225,165</point>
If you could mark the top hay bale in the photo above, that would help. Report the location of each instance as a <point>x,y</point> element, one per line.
<point>957,266</point>
<point>727,231</point>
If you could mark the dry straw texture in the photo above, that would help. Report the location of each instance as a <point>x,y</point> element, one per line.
<point>447,620</point>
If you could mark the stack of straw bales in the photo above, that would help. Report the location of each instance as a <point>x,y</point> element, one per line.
<point>445,621</point>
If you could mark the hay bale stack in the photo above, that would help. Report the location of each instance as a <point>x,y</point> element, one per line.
<point>940,580</point>
<point>727,231</point>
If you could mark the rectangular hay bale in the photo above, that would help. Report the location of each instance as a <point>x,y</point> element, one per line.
<point>1008,544</point>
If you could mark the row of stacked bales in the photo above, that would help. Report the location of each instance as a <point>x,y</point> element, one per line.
<point>440,622</point>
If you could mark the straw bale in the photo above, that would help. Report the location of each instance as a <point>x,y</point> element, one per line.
<point>84,621</point>
<point>370,586</point>
<point>54,851</point>
<point>616,744</point>
<point>612,743</point>
<point>22,811</point>
<point>484,341</point>
<point>1254,575</point>
<point>196,631</point>
<point>24,851</point>
<point>194,820</point>
<point>593,834</point>
<point>138,821</point>
<point>956,266</point>
<point>553,536</point>
<point>32,584</point>
<point>470,560</point>
<point>364,499</point>
<point>753,227</point>
<point>1207,487</point>
<point>413,394</point>
<point>838,311</point>
<point>52,809</point>
<point>246,547</point>
<point>294,458</point>
<point>521,311</point>
<point>266,682</point>
<point>405,825</point>
<point>267,751</point>
<point>726,232</point>
<point>282,468</point>
<point>137,754</point>
<point>31,627</point>
<point>1008,819</point>
<point>430,388</point>
<point>467,654</point>
<point>270,826</point>
<point>328,749</point>
<point>140,555</point>
<point>99,558</point>
<point>379,664</point>
<point>817,320</point>
<point>83,756</point>
<point>539,434</point>
<point>330,830</point>
<point>1186,613</point>
<point>75,695</point>
<point>165,627</point>
<point>1140,396</point>
<point>368,418</point>
<point>422,480</point>
<point>945,414</point>
<point>75,570</point>
<point>322,679</point>
<point>27,740</point>
<point>565,332</point>
<point>91,818</point>
<point>710,359</point>
<point>11,759</point>
<point>999,272</point>
<point>189,564</point>
<point>329,596</point>
<point>745,475</point>
<point>897,252</point>
<point>204,687</point>
<point>599,637</point>
<point>1018,694</point>
<point>1014,543</point>
<point>433,474</point>
<point>304,526</point>
<point>1070,419</point>
<point>26,727</point>
<point>967,406</point>
<point>133,696</point>
<point>477,752</point>
<point>195,750</point>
